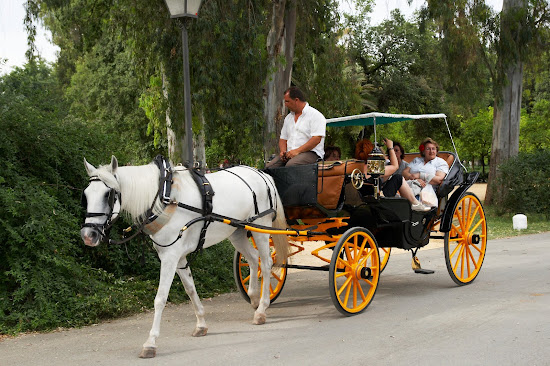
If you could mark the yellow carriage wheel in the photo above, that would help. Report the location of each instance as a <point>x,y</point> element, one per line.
<point>466,242</point>
<point>241,272</point>
<point>354,271</point>
<point>384,254</point>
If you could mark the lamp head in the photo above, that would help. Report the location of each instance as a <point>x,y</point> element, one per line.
<point>376,162</point>
<point>183,8</point>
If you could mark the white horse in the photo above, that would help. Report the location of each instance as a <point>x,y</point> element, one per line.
<point>133,189</point>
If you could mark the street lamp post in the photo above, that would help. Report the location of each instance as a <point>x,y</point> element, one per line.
<point>185,9</point>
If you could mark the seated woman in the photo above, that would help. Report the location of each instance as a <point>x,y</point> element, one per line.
<point>428,169</point>
<point>400,153</point>
<point>392,182</point>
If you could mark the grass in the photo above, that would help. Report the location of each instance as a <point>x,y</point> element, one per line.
<point>502,227</point>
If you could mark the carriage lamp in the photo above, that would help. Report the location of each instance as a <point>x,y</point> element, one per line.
<point>376,162</point>
<point>185,9</point>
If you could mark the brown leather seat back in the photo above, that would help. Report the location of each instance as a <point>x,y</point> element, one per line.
<point>330,181</point>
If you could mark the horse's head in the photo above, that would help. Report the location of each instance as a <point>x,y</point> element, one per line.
<point>101,200</point>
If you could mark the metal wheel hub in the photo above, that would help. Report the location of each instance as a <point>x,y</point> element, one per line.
<point>473,239</point>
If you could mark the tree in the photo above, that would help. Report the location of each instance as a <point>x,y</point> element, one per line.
<point>471,33</point>
<point>475,137</point>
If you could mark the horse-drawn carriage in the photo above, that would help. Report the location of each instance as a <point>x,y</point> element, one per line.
<point>322,202</point>
<point>184,210</point>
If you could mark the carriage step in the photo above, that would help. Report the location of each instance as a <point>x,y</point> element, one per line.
<point>424,271</point>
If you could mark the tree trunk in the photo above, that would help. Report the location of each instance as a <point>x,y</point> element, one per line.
<point>507,107</point>
<point>199,150</point>
<point>280,46</point>
<point>174,148</point>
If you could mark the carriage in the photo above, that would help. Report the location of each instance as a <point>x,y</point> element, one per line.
<point>323,205</point>
<point>184,210</point>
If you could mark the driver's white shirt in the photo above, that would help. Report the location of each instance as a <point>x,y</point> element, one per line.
<point>310,123</point>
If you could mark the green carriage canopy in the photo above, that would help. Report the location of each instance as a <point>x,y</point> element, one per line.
<point>376,118</point>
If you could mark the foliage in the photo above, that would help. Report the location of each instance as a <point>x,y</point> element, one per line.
<point>474,141</point>
<point>48,278</point>
<point>534,134</point>
<point>526,183</point>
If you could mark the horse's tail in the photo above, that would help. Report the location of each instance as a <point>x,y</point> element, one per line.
<point>282,248</point>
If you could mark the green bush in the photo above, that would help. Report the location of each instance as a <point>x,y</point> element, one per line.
<point>525,182</point>
<point>48,278</point>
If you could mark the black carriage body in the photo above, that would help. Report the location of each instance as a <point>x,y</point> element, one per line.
<point>390,219</point>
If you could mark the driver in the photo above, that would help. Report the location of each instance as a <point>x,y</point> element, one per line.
<point>303,134</point>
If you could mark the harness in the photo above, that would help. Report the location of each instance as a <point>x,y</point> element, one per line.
<point>208,216</point>
<point>112,197</point>
<point>163,195</point>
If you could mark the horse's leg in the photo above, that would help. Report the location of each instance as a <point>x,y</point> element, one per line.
<point>242,244</point>
<point>187,279</point>
<point>167,271</point>
<point>262,243</point>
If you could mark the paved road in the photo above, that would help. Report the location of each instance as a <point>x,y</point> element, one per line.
<point>502,318</point>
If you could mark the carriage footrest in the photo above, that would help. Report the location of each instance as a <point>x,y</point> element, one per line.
<point>424,271</point>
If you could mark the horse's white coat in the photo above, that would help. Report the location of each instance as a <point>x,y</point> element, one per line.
<point>139,185</point>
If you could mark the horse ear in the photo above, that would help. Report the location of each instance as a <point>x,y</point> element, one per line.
<point>90,169</point>
<point>114,164</point>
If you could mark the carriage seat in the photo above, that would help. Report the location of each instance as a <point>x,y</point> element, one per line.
<point>452,179</point>
<point>330,180</point>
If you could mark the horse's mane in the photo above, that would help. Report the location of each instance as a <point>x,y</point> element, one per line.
<point>138,186</point>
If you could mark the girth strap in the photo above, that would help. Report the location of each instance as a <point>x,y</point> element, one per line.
<point>205,189</point>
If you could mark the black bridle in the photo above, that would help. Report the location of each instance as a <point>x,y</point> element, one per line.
<point>112,197</point>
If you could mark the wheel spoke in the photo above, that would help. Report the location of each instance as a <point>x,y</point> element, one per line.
<point>477,225</point>
<point>344,286</point>
<point>467,255</point>
<point>458,258</point>
<point>363,297</point>
<point>476,248</point>
<point>341,261</point>
<point>355,285</point>
<point>348,254</point>
<point>472,217</point>
<point>462,228</point>
<point>363,244</point>
<point>367,281</point>
<point>459,245</point>
<point>471,255</point>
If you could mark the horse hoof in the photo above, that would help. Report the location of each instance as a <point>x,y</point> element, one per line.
<point>148,352</point>
<point>200,332</point>
<point>259,319</point>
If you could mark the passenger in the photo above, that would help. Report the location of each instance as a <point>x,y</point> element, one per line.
<point>332,153</point>
<point>362,149</point>
<point>392,182</point>
<point>400,153</point>
<point>303,135</point>
<point>428,169</point>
